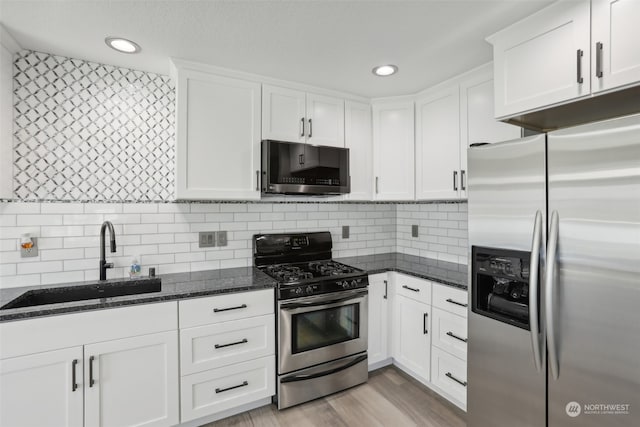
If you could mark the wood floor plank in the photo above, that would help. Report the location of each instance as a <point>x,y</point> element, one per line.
<point>389,399</point>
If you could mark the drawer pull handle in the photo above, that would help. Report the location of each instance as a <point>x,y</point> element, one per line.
<point>411,289</point>
<point>91,380</point>
<point>452,335</point>
<point>244,340</point>
<point>385,289</point>
<point>425,331</point>
<point>462,383</point>
<point>218,310</point>
<point>74,383</point>
<point>456,302</point>
<point>220,390</point>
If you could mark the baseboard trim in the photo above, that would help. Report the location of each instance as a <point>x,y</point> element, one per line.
<point>380,364</point>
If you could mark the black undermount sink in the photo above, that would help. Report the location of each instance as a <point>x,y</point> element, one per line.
<point>84,292</point>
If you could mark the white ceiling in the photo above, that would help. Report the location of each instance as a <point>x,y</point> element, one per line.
<point>330,44</point>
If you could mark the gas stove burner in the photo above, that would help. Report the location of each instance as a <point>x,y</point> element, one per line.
<point>288,273</point>
<point>330,268</point>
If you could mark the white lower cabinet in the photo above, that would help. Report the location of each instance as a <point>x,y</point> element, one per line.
<point>427,328</point>
<point>39,389</point>
<point>132,381</point>
<point>217,390</point>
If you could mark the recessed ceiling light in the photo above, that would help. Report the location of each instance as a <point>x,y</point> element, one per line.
<point>122,45</point>
<point>385,70</point>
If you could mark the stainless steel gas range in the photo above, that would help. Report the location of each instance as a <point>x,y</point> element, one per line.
<point>321,318</point>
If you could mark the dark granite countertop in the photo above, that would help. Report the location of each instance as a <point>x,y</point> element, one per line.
<point>447,273</point>
<point>174,286</point>
<point>203,283</point>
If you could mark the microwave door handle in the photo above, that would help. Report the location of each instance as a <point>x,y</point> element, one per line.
<point>322,301</point>
<point>295,378</point>
<point>534,265</point>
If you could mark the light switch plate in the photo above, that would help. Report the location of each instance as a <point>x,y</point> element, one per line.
<point>414,231</point>
<point>221,238</point>
<point>345,231</point>
<point>206,239</point>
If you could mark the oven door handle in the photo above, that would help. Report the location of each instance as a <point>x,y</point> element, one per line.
<point>293,305</point>
<point>295,378</point>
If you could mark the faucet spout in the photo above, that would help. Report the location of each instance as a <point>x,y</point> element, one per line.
<point>112,240</point>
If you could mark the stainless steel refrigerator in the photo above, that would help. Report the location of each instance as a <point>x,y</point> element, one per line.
<point>554,317</point>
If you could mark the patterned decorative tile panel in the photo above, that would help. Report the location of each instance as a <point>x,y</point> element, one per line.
<point>91,132</point>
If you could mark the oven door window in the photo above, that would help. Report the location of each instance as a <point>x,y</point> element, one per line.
<point>322,328</point>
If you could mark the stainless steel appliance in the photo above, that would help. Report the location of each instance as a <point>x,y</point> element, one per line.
<point>297,168</point>
<point>322,316</point>
<point>554,325</point>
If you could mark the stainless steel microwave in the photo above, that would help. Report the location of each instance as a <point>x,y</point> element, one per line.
<point>297,168</point>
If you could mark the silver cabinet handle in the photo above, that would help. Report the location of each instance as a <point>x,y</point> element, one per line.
<point>74,383</point>
<point>377,185</point>
<point>424,323</point>
<point>91,381</point>
<point>302,121</point>
<point>579,65</point>
<point>599,60</point>
<point>257,180</point>
<point>220,390</point>
<point>310,128</point>
<point>455,180</point>
<point>450,376</point>
<point>385,290</point>
<point>218,310</point>
<point>552,247</point>
<point>242,341</point>
<point>461,304</point>
<point>411,289</point>
<point>463,186</point>
<point>534,268</point>
<point>452,335</point>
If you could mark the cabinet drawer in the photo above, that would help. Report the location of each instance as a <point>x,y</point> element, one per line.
<point>222,308</point>
<point>449,332</point>
<point>216,390</point>
<point>450,299</point>
<point>221,344</point>
<point>449,374</point>
<point>414,288</point>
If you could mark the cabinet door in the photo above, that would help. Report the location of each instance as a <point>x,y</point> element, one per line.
<point>378,318</point>
<point>438,145</point>
<point>412,328</point>
<point>283,114</point>
<point>325,120</point>
<point>218,137</point>
<point>477,123</point>
<point>615,35</point>
<point>135,381</point>
<point>359,142</point>
<point>393,150</point>
<point>38,390</point>
<point>537,62</point>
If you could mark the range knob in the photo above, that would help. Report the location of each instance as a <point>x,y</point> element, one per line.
<point>309,289</point>
<point>345,285</point>
<point>298,291</point>
<point>354,283</point>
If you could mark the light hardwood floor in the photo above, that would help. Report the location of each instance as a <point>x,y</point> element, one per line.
<point>390,399</point>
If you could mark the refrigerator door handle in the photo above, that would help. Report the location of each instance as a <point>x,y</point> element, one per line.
<point>534,291</point>
<point>552,247</point>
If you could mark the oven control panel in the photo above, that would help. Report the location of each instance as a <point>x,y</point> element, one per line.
<point>322,287</point>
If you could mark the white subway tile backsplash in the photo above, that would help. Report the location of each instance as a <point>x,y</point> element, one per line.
<point>40,267</point>
<point>140,208</point>
<point>61,254</point>
<point>83,219</point>
<point>102,208</point>
<point>140,228</point>
<point>62,277</point>
<point>8,269</point>
<point>7,220</point>
<point>19,280</point>
<point>62,208</point>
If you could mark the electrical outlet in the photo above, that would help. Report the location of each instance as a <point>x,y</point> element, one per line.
<point>414,231</point>
<point>221,238</point>
<point>345,231</point>
<point>206,239</point>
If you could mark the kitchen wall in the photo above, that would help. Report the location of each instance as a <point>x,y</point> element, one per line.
<point>88,133</point>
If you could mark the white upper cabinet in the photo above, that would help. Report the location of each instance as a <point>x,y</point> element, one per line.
<point>393,149</point>
<point>325,119</point>
<point>438,145</point>
<point>283,114</point>
<point>543,59</point>
<point>615,34</point>
<point>295,116</point>
<point>218,137</point>
<point>358,140</point>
